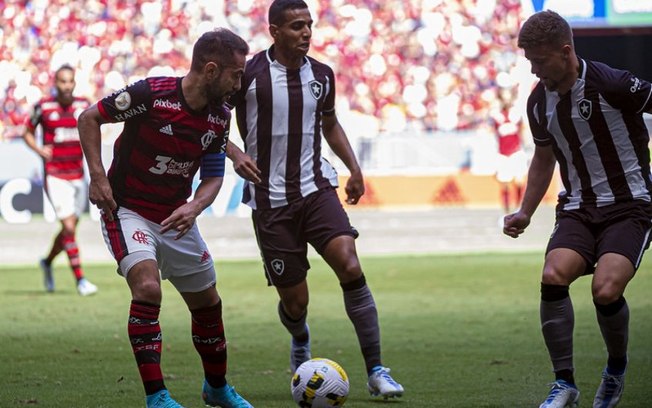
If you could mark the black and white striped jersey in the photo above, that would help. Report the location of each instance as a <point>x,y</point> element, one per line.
<point>279,111</point>
<point>598,135</point>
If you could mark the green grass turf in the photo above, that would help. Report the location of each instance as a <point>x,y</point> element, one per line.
<point>457,331</point>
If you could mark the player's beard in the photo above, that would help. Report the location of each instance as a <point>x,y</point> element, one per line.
<point>65,97</point>
<point>218,98</point>
<point>215,94</point>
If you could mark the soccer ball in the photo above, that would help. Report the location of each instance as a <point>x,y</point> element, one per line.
<point>320,383</point>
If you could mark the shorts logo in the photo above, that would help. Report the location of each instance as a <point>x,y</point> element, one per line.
<point>204,257</point>
<point>123,101</point>
<point>316,89</point>
<point>585,107</point>
<point>140,237</point>
<point>278,266</point>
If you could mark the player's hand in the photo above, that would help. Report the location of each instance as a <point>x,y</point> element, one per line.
<point>101,194</point>
<point>515,224</point>
<point>354,188</point>
<point>181,220</point>
<point>46,153</point>
<point>246,167</point>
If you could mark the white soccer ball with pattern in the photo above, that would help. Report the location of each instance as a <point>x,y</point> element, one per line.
<point>320,383</point>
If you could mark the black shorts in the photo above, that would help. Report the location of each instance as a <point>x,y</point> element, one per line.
<point>283,234</point>
<point>622,228</point>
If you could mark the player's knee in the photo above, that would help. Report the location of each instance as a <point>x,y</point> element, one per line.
<point>68,231</point>
<point>606,293</point>
<point>147,291</point>
<point>349,270</point>
<point>554,275</point>
<point>296,309</point>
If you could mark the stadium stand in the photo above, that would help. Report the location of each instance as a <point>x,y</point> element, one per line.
<point>426,65</point>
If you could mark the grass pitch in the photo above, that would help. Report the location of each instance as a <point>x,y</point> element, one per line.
<point>457,331</point>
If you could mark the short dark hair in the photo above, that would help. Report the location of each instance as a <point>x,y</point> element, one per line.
<point>64,67</point>
<point>219,46</point>
<point>545,28</point>
<point>278,8</point>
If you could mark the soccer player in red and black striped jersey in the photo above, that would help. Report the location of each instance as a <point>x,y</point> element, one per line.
<point>172,127</point>
<point>286,102</point>
<point>511,166</point>
<point>587,117</point>
<point>63,172</point>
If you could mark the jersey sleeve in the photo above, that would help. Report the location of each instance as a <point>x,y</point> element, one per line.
<point>329,102</point>
<point>129,103</point>
<point>624,90</point>
<point>34,117</point>
<point>536,114</point>
<point>213,161</point>
<point>218,144</point>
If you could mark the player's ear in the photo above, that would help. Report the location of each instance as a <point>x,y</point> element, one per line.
<point>566,51</point>
<point>273,30</point>
<point>210,69</point>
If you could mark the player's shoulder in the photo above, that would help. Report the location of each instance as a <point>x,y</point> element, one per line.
<point>537,94</point>
<point>605,76</point>
<point>598,67</point>
<point>318,64</point>
<point>258,62</point>
<point>81,102</point>
<point>162,83</point>
<point>47,103</point>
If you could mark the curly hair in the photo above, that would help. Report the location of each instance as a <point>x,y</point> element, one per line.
<point>545,28</point>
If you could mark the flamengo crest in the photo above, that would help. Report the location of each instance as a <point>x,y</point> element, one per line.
<point>207,138</point>
<point>316,88</point>
<point>585,108</point>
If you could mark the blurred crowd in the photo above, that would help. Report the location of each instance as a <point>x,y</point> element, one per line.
<point>400,64</point>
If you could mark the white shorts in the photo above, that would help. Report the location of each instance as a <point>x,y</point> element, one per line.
<point>512,167</point>
<point>68,197</point>
<point>185,262</point>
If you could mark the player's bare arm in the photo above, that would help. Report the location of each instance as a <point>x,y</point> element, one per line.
<point>337,140</point>
<point>100,192</point>
<point>243,164</point>
<point>540,174</point>
<point>183,218</point>
<point>44,151</point>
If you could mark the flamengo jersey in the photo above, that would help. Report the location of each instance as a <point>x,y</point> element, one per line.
<point>508,130</point>
<point>598,136</point>
<point>279,113</point>
<point>159,151</point>
<point>59,125</point>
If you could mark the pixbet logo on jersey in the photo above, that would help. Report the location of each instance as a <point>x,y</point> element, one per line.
<point>164,103</point>
<point>216,120</point>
